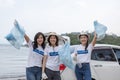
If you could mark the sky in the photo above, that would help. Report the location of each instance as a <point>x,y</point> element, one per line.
<point>60,16</point>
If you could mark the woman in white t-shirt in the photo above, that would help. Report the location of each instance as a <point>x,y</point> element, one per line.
<point>51,61</point>
<point>83,53</point>
<point>36,53</point>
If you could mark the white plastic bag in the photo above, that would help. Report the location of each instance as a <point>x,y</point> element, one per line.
<point>100,30</point>
<point>16,35</point>
<point>44,76</point>
<point>65,56</point>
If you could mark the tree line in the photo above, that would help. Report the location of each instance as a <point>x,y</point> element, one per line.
<point>109,39</point>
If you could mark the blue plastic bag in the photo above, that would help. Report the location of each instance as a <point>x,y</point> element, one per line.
<point>65,56</point>
<point>100,30</point>
<point>16,35</point>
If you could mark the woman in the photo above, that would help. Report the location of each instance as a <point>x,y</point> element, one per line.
<point>83,53</point>
<point>51,60</point>
<point>36,53</point>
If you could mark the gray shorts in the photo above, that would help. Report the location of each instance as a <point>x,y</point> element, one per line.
<point>52,75</point>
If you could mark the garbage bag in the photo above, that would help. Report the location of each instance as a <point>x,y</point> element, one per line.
<point>100,30</point>
<point>65,56</point>
<point>16,35</point>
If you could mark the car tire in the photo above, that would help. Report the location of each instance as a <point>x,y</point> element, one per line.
<point>93,79</point>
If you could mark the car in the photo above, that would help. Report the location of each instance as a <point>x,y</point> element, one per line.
<point>105,63</point>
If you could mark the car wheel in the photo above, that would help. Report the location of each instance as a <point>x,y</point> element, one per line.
<point>93,79</point>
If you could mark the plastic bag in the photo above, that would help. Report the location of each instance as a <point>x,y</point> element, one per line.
<point>100,30</point>
<point>65,56</point>
<point>16,35</point>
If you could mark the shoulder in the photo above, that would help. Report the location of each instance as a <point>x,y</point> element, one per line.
<point>90,46</point>
<point>47,47</point>
<point>30,43</point>
<point>79,46</point>
<point>76,47</point>
<point>60,46</point>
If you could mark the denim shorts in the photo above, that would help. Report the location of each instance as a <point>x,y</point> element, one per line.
<point>52,75</point>
<point>34,73</point>
<point>83,73</point>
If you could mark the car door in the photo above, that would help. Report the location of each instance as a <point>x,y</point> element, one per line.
<point>104,65</point>
<point>117,53</point>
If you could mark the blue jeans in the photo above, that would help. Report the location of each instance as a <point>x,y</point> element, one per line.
<point>34,73</point>
<point>84,72</point>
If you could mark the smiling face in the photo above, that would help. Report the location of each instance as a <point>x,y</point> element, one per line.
<point>83,39</point>
<point>53,40</point>
<point>40,40</point>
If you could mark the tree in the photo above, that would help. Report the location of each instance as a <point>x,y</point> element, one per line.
<point>109,39</point>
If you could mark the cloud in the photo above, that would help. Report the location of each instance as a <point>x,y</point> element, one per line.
<point>7,3</point>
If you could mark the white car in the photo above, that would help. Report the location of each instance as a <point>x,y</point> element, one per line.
<point>105,64</point>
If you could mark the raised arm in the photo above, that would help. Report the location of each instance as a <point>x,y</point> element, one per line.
<point>26,38</point>
<point>94,39</point>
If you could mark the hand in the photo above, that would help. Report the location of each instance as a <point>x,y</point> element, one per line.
<point>74,57</point>
<point>44,76</point>
<point>15,22</point>
<point>95,34</point>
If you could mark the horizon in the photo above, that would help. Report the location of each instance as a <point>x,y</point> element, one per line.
<point>4,41</point>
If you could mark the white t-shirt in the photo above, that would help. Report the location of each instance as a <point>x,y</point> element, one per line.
<point>83,56</point>
<point>35,56</point>
<point>53,60</point>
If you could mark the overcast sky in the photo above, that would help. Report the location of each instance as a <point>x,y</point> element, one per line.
<point>61,16</point>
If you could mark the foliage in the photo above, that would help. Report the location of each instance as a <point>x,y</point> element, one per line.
<point>109,39</point>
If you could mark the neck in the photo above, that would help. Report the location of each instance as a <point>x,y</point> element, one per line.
<point>84,44</point>
<point>39,44</point>
<point>53,45</point>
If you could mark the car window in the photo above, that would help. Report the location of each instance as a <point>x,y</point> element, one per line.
<point>103,55</point>
<point>117,52</point>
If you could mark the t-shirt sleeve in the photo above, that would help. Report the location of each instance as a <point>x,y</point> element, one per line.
<point>30,43</point>
<point>75,50</point>
<point>46,51</point>
<point>91,46</point>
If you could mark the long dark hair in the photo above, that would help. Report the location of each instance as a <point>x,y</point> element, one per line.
<point>57,40</point>
<point>86,46</point>
<point>35,44</point>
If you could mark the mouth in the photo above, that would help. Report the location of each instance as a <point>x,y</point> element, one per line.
<point>53,42</point>
<point>83,41</point>
<point>39,41</point>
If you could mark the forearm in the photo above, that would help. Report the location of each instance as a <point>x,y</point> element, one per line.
<point>26,38</point>
<point>44,63</point>
<point>94,39</point>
